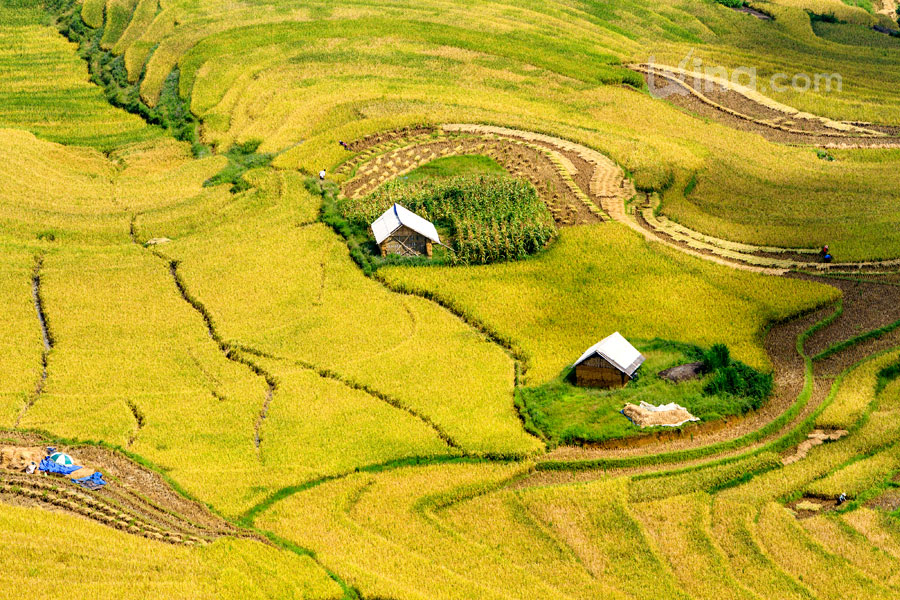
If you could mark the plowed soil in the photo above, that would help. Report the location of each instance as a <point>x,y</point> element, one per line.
<point>135,500</point>
<point>736,110</point>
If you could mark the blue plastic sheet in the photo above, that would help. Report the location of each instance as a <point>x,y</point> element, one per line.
<point>91,482</point>
<point>53,467</point>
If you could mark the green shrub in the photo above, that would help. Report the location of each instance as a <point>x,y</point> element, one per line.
<point>740,380</point>
<point>887,375</point>
<point>823,18</point>
<point>717,357</point>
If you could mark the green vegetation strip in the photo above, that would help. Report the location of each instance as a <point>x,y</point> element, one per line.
<point>856,340</point>
<point>249,517</point>
<point>108,71</point>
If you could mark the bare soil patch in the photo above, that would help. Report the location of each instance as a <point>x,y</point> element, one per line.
<point>807,507</point>
<point>681,373</point>
<point>753,13</point>
<point>868,305</point>
<point>135,499</point>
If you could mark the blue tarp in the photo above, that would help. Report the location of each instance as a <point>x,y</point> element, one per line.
<point>91,482</point>
<point>54,467</point>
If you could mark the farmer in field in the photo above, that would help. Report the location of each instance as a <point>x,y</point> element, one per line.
<point>322,175</point>
<point>826,255</point>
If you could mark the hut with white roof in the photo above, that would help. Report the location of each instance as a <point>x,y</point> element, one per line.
<point>610,363</point>
<point>399,231</point>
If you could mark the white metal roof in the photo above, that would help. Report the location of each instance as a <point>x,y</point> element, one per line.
<point>616,349</point>
<point>396,217</point>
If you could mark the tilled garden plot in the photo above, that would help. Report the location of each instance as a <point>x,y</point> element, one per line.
<point>135,500</point>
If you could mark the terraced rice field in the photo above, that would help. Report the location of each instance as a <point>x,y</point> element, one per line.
<point>274,421</point>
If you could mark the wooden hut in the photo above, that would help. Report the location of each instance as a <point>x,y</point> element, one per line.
<point>611,363</point>
<point>399,231</point>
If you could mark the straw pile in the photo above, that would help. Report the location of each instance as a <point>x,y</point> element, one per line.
<point>667,415</point>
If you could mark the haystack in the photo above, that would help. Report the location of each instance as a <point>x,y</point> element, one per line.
<point>16,458</point>
<point>666,415</point>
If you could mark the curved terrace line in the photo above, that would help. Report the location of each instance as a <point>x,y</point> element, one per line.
<point>46,337</point>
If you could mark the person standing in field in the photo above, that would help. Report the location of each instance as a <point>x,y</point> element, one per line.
<point>322,175</point>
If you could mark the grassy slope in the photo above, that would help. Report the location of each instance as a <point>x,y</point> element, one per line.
<point>455,165</point>
<point>127,343</point>
<point>569,414</point>
<point>20,344</point>
<point>297,295</point>
<point>713,532</point>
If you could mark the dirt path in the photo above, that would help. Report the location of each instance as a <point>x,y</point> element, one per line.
<point>536,163</point>
<point>610,189</point>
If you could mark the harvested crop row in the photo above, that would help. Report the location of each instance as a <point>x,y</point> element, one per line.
<point>521,160</point>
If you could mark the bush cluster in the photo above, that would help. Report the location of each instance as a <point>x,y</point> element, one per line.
<point>489,218</point>
<point>241,158</point>
<point>734,378</point>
